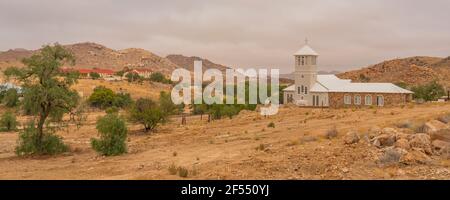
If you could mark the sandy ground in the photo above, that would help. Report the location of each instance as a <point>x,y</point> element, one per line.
<point>227,149</point>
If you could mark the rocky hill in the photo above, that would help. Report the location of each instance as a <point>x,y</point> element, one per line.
<point>90,55</point>
<point>188,62</point>
<point>412,71</point>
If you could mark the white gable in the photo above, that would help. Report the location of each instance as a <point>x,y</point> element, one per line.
<point>306,51</point>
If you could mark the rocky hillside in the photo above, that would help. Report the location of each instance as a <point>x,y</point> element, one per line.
<point>412,71</point>
<point>188,62</point>
<point>90,55</point>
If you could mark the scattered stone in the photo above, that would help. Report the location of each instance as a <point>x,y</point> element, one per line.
<point>421,141</point>
<point>440,146</point>
<point>443,135</point>
<point>402,143</point>
<point>390,156</point>
<point>389,131</point>
<point>434,126</point>
<point>351,137</point>
<point>374,131</point>
<point>415,157</point>
<point>384,140</point>
<point>345,170</point>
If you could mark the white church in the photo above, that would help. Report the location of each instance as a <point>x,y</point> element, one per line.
<point>315,90</point>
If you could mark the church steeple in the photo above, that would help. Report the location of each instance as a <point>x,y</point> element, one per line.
<point>305,71</point>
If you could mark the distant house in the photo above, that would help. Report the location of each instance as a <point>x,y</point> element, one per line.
<point>85,73</point>
<point>314,90</point>
<point>142,72</point>
<point>7,86</point>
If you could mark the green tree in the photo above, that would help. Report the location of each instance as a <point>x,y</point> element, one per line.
<point>11,98</point>
<point>147,113</point>
<point>133,77</point>
<point>429,92</point>
<point>8,121</point>
<point>94,75</point>
<point>113,134</point>
<point>102,97</point>
<point>46,92</point>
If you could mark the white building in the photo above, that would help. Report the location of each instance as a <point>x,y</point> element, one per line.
<point>313,90</point>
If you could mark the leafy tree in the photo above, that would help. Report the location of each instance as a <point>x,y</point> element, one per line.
<point>31,143</point>
<point>429,92</point>
<point>119,73</point>
<point>94,75</point>
<point>147,113</point>
<point>133,77</point>
<point>103,97</point>
<point>113,134</point>
<point>166,104</point>
<point>8,121</point>
<point>11,98</point>
<point>47,94</point>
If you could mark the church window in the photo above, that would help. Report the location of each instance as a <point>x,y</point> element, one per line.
<point>306,90</point>
<point>303,60</point>
<point>303,89</point>
<point>357,100</point>
<point>368,100</point>
<point>298,90</point>
<point>347,100</point>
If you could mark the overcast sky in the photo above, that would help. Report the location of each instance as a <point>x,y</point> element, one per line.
<point>346,33</point>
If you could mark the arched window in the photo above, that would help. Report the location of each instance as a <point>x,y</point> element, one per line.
<point>303,60</point>
<point>306,90</point>
<point>368,100</point>
<point>347,99</point>
<point>357,100</point>
<point>380,100</point>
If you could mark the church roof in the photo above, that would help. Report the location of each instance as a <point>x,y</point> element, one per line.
<point>306,51</point>
<point>331,83</point>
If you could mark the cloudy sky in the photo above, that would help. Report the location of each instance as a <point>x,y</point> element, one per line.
<point>254,33</point>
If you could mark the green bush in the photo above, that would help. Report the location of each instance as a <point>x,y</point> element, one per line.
<point>11,98</point>
<point>29,144</point>
<point>133,77</point>
<point>94,75</point>
<point>8,121</point>
<point>429,92</point>
<point>147,113</point>
<point>159,77</point>
<point>103,97</point>
<point>271,125</point>
<point>113,134</point>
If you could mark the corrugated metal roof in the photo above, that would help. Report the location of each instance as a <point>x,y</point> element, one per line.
<point>331,83</point>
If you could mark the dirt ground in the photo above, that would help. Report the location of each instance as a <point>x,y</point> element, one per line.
<point>240,148</point>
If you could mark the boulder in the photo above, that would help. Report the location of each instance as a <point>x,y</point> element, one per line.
<point>374,131</point>
<point>402,143</point>
<point>434,126</point>
<point>351,137</point>
<point>415,157</point>
<point>389,131</point>
<point>440,146</point>
<point>384,140</point>
<point>421,141</point>
<point>443,135</point>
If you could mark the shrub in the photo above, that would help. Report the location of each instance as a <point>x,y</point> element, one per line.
<point>94,75</point>
<point>390,156</point>
<point>183,172</point>
<point>113,134</point>
<point>332,133</point>
<point>103,97</point>
<point>271,125</point>
<point>429,92</point>
<point>8,121</point>
<point>173,169</point>
<point>133,77</point>
<point>147,113</point>
<point>404,124</point>
<point>159,77</point>
<point>261,147</point>
<point>112,110</point>
<point>11,98</point>
<point>29,144</point>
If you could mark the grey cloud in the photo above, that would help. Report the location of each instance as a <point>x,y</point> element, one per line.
<point>347,33</point>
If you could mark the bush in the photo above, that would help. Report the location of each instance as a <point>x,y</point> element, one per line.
<point>147,113</point>
<point>172,169</point>
<point>8,121</point>
<point>183,172</point>
<point>390,156</point>
<point>133,77</point>
<point>11,98</point>
<point>332,133</point>
<point>94,75</point>
<point>103,97</point>
<point>159,77</point>
<point>429,92</point>
<point>113,134</point>
<point>271,125</point>
<point>112,110</point>
<point>29,144</point>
